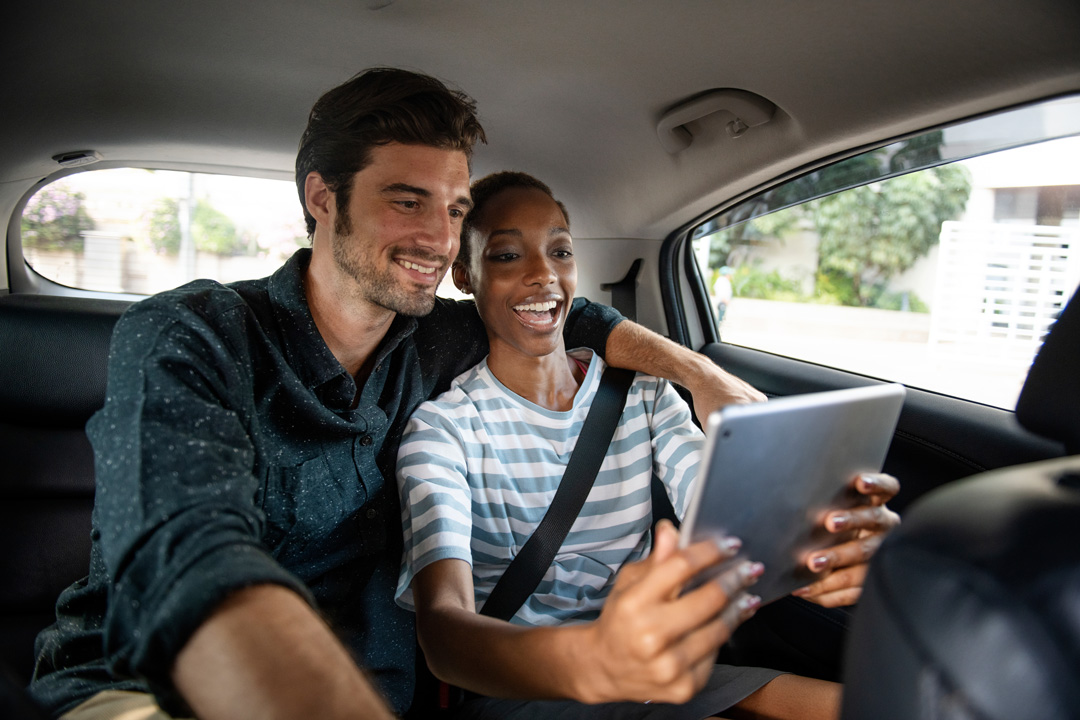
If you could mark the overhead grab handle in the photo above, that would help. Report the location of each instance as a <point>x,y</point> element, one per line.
<point>746,109</point>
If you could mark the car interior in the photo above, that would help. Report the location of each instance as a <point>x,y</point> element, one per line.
<point>692,142</point>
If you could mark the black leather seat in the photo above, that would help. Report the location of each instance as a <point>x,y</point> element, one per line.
<point>972,607</point>
<point>53,356</point>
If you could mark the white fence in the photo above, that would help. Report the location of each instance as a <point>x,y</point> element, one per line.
<point>999,287</point>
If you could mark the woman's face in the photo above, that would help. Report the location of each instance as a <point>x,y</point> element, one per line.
<point>522,272</point>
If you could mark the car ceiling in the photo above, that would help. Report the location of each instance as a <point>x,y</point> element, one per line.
<point>568,90</point>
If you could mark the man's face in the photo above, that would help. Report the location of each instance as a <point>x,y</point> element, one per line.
<point>401,228</point>
<point>522,271</point>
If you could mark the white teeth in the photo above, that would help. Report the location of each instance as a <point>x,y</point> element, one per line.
<point>537,307</point>
<point>418,268</point>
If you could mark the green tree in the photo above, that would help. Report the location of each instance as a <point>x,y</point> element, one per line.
<point>211,230</point>
<point>872,233</point>
<point>55,219</point>
<point>164,226</point>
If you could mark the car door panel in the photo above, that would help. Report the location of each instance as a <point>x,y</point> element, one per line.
<point>938,439</point>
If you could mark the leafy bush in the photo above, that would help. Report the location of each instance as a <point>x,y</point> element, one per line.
<point>55,219</point>
<point>164,226</point>
<point>750,281</point>
<point>211,230</point>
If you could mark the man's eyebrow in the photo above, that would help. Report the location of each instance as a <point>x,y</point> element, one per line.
<point>422,192</point>
<point>406,188</point>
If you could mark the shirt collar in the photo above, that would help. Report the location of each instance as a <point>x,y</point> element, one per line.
<point>305,350</point>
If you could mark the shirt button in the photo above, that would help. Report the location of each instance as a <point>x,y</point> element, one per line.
<point>366,440</point>
<point>371,513</point>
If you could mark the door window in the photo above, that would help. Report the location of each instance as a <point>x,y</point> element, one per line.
<point>938,261</point>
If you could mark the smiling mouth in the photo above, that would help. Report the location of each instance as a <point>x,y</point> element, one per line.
<point>417,267</point>
<point>540,315</point>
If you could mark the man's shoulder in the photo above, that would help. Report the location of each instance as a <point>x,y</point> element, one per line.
<point>197,301</point>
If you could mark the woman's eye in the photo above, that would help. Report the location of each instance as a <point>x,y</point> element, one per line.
<point>504,257</point>
<point>563,254</point>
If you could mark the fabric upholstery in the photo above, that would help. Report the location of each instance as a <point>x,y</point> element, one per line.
<point>53,356</point>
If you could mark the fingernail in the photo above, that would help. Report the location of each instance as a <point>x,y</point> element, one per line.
<point>751,571</point>
<point>729,545</point>
<point>748,603</point>
<point>819,563</point>
<point>871,481</point>
<point>841,521</point>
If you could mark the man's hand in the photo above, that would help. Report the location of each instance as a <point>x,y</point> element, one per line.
<point>848,562</point>
<point>653,643</point>
<point>634,347</point>
<point>717,387</point>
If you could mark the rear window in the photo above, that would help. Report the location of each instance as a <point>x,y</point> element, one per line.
<point>142,231</point>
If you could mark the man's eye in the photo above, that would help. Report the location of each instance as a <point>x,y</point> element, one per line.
<point>456,213</point>
<point>408,204</point>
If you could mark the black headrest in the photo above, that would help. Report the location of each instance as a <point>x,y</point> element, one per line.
<point>53,357</point>
<point>970,606</point>
<point>1049,404</point>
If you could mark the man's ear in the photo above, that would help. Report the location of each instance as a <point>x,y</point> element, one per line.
<point>319,198</point>
<point>461,277</point>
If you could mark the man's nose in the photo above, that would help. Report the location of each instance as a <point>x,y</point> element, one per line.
<point>442,233</point>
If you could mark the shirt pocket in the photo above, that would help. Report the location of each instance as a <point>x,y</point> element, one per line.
<point>310,510</point>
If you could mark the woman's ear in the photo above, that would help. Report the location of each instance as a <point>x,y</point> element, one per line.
<point>461,277</point>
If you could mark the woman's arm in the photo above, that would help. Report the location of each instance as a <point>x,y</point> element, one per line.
<point>650,642</point>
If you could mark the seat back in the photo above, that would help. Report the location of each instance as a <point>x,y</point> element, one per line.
<point>53,357</point>
<point>969,609</point>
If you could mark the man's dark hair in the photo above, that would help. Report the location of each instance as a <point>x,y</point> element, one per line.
<point>377,107</point>
<point>488,187</point>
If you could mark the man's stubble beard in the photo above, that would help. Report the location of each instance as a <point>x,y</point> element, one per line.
<point>380,288</point>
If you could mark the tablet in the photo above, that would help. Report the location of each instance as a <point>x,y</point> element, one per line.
<point>770,471</point>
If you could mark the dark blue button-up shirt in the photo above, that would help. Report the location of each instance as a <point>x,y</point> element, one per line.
<point>234,450</point>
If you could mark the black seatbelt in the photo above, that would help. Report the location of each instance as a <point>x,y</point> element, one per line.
<point>527,569</point>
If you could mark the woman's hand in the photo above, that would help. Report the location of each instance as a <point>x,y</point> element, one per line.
<point>846,564</point>
<point>653,643</point>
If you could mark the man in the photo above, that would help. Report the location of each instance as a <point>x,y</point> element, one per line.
<point>246,544</point>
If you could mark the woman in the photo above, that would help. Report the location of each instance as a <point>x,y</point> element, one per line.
<point>607,632</point>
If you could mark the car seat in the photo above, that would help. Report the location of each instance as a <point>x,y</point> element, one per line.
<point>53,357</point>
<point>971,609</point>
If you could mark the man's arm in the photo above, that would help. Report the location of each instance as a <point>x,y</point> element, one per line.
<point>264,654</point>
<point>635,347</point>
<point>198,605</point>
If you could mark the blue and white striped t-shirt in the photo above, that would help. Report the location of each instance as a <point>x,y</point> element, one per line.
<point>479,465</point>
